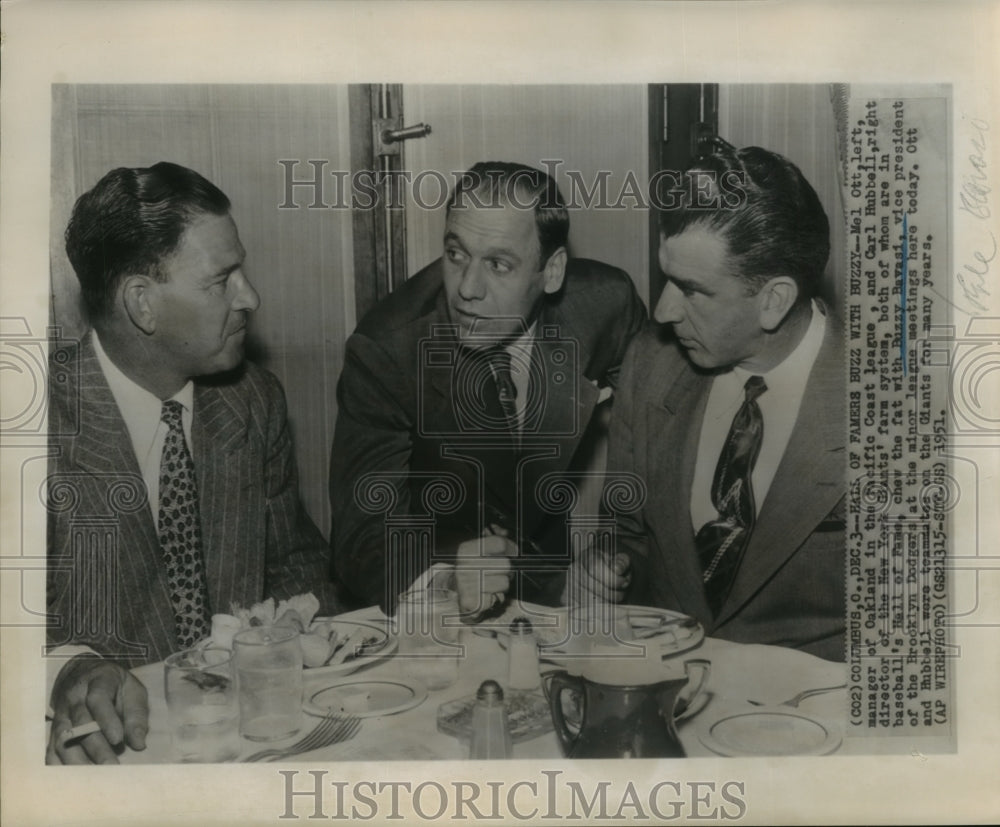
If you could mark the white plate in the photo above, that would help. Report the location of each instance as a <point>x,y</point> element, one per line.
<point>384,644</point>
<point>770,732</point>
<point>365,699</point>
<point>670,632</point>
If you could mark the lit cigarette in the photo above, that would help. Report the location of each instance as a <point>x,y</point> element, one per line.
<point>78,732</point>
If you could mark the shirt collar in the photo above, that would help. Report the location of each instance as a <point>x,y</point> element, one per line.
<point>523,344</point>
<point>139,408</point>
<point>791,370</point>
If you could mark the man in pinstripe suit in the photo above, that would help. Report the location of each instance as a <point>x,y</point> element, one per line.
<point>160,265</point>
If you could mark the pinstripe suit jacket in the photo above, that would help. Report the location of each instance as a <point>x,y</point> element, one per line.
<point>789,589</point>
<point>107,584</point>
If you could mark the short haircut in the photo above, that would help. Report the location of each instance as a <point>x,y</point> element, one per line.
<point>768,213</point>
<point>500,183</point>
<point>129,222</point>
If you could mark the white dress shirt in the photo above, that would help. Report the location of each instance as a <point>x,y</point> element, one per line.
<point>779,407</point>
<point>141,411</point>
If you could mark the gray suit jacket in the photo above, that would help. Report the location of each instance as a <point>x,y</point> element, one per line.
<point>107,584</point>
<point>398,419</point>
<point>789,589</point>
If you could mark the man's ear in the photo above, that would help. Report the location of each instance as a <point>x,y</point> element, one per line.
<point>555,271</point>
<point>775,300</point>
<point>137,298</point>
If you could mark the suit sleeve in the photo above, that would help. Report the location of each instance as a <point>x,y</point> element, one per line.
<point>628,324</point>
<point>297,556</point>
<point>622,456</point>
<point>372,437</point>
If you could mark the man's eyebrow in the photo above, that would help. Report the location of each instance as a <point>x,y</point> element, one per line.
<point>492,252</point>
<point>232,268</point>
<point>686,284</point>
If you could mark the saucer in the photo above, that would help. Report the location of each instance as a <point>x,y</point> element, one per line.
<point>770,732</point>
<point>365,699</point>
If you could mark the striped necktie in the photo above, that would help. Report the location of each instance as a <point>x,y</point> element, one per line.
<point>506,389</point>
<point>721,542</point>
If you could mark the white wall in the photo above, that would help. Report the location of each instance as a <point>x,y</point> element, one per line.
<point>300,260</point>
<point>587,128</point>
<point>797,121</point>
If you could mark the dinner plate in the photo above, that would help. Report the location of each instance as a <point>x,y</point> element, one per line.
<point>770,732</point>
<point>670,632</point>
<point>376,642</point>
<point>365,699</point>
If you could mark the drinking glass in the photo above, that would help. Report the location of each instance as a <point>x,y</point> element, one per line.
<point>202,706</point>
<point>269,678</point>
<point>428,628</point>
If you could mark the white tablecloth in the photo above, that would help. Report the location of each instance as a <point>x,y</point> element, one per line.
<point>740,673</point>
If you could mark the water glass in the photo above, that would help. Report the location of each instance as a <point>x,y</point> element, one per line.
<point>202,706</point>
<point>596,622</point>
<point>428,628</point>
<point>269,678</point>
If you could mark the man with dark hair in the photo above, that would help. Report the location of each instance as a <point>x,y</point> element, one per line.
<point>733,414</point>
<point>479,376</point>
<point>173,491</point>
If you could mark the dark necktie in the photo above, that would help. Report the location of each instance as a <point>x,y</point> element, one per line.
<point>180,532</point>
<point>506,389</point>
<point>721,542</point>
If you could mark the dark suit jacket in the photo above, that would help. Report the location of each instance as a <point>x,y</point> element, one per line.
<point>789,589</point>
<point>398,419</point>
<point>107,584</point>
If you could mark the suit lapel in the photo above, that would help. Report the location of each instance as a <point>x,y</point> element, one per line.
<point>567,399</point>
<point>103,450</point>
<point>103,444</point>
<point>808,483</point>
<point>218,433</point>
<point>674,429</point>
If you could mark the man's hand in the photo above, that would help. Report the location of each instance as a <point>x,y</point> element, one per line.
<point>594,577</point>
<point>482,571</point>
<point>91,689</point>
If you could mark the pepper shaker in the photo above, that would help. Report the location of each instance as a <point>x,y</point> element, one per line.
<point>522,656</point>
<point>490,732</point>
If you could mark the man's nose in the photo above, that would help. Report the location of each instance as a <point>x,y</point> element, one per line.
<point>246,297</point>
<point>472,285</point>
<point>668,308</point>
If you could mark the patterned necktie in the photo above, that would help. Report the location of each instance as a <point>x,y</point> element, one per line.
<point>721,542</point>
<point>180,532</point>
<point>506,389</point>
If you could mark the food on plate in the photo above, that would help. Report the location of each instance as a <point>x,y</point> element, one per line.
<point>315,649</point>
<point>322,644</point>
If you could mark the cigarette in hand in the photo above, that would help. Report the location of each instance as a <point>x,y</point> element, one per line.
<point>77,732</point>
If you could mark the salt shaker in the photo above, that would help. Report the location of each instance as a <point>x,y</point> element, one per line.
<point>522,656</point>
<point>490,733</point>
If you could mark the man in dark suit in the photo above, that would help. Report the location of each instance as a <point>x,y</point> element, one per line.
<point>173,490</point>
<point>468,392</point>
<point>734,415</point>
